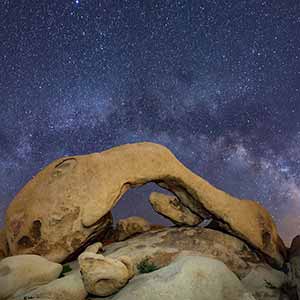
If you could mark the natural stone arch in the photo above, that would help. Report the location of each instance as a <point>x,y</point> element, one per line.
<point>71,197</point>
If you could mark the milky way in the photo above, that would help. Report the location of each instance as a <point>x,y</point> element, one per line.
<point>218,82</point>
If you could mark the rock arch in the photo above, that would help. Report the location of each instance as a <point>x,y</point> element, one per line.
<point>72,197</point>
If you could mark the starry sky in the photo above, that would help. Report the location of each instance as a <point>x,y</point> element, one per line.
<point>218,82</point>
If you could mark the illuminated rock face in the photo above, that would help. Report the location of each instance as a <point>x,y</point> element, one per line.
<point>68,201</point>
<point>128,227</point>
<point>162,246</point>
<point>190,277</point>
<point>25,272</point>
<point>103,276</point>
<point>171,208</point>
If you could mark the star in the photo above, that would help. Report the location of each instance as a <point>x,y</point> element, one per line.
<point>217,84</point>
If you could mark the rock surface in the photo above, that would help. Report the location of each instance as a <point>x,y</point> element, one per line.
<point>4,251</point>
<point>294,263</point>
<point>171,207</point>
<point>294,250</point>
<point>128,227</point>
<point>69,287</point>
<point>23,272</point>
<point>164,245</point>
<point>192,278</point>
<point>104,276</point>
<point>266,283</point>
<point>65,203</point>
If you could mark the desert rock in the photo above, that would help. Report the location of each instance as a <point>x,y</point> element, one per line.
<point>294,250</point>
<point>164,245</point>
<point>94,248</point>
<point>4,251</point>
<point>104,276</point>
<point>294,264</point>
<point>193,278</point>
<point>266,283</point>
<point>171,207</point>
<point>66,203</point>
<point>22,272</point>
<point>66,288</point>
<point>130,226</point>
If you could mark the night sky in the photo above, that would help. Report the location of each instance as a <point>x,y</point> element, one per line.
<point>218,82</point>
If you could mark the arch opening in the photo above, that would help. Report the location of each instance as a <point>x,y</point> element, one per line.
<point>135,202</point>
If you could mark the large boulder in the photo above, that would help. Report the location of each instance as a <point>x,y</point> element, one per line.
<point>23,272</point>
<point>266,283</point>
<point>164,245</point>
<point>103,276</point>
<point>160,248</point>
<point>173,209</point>
<point>4,251</point>
<point>65,203</point>
<point>192,278</point>
<point>69,287</point>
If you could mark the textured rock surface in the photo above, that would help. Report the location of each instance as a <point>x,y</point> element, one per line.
<point>294,263</point>
<point>295,247</point>
<point>266,283</point>
<point>4,251</point>
<point>22,272</point>
<point>64,203</point>
<point>128,227</point>
<point>66,288</point>
<point>164,245</point>
<point>171,207</point>
<point>104,276</point>
<point>192,278</point>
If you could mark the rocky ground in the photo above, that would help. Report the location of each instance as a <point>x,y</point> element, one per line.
<point>60,242</point>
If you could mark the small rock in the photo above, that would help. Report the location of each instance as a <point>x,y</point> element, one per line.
<point>104,276</point>
<point>94,248</point>
<point>130,226</point>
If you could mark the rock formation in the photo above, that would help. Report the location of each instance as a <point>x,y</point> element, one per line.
<point>68,202</point>
<point>66,288</point>
<point>128,227</point>
<point>103,276</point>
<point>294,264</point>
<point>190,278</point>
<point>171,208</point>
<point>164,245</point>
<point>4,251</point>
<point>23,272</point>
<point>187,260</point>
